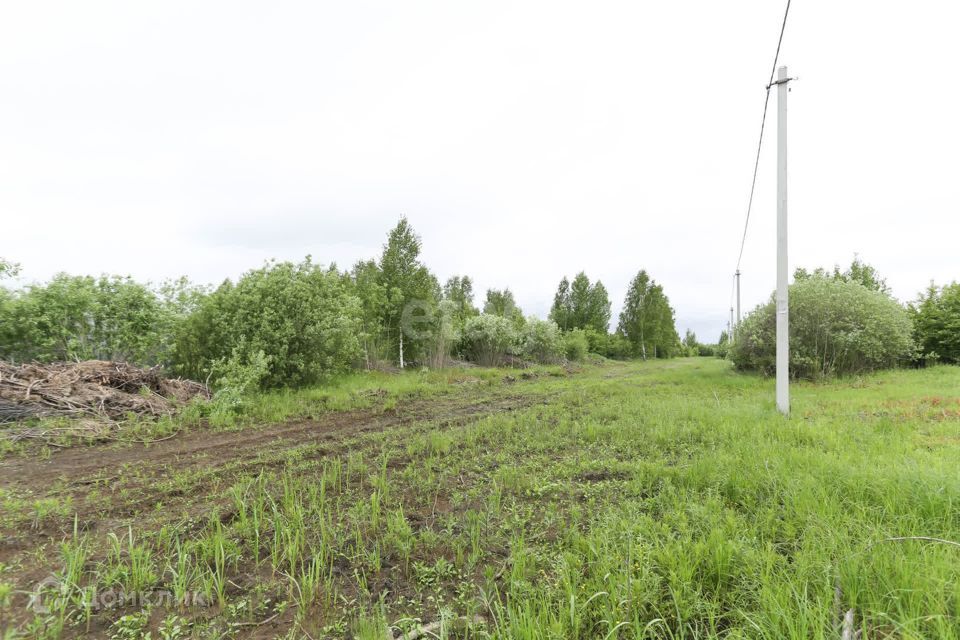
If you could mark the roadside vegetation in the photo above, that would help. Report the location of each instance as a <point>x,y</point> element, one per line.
<point>293,325</point>
<point>836,328</point>
<point>662,499</point>
<point>848,323</point>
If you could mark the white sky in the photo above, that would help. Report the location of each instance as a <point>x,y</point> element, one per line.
<point>524,140</point>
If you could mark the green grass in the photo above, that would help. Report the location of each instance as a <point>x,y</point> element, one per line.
<point>643,500</point>
<point>355,391</point>
<point>366,390</point>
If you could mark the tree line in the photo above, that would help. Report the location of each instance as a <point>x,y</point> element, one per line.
<point>292,324</point>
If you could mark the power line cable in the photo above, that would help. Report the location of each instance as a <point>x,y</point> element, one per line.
<point>763,122</point>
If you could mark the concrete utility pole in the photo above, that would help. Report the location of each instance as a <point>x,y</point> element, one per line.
<point>732,326</point>
<point>738,298</point>
<point>783,307</point>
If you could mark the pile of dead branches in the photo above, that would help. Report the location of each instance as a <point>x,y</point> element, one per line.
<point>109,390</point>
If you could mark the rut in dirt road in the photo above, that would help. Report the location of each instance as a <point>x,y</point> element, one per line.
<point>132,481</point>
<point>81,465</point>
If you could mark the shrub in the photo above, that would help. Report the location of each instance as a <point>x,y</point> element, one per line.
<point>618,347</point>
<point>300,316</point>
<point>836,327</point>
<point>488,339</point>
<point>936,323</point>
<point>575,345</point>
<point>723,346</point>
<point>83,318</point>
<point>608,345</point>
<point>706,350</point>
<point>597,341</point>
<point>690,346</point>
<point>541,340</point>
<point>235,378</point>
<point>443,335</point>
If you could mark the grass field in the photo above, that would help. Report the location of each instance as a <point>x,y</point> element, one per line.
<point>627,500</point>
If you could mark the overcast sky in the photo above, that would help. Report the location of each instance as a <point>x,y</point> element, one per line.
<point>524,140</point>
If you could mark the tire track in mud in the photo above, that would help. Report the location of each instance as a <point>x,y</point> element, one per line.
<point>126,494</point>
<point>74,468</point>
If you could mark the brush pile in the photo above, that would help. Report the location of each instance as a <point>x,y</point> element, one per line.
<point>109,390</point>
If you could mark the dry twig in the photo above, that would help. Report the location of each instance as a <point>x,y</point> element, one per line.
<point>431,629</point>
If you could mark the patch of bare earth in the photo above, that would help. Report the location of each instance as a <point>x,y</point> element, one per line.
<point>109,487</point>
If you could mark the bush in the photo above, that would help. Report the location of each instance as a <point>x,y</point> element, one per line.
<point>234,379</point>
<point>597,341</point>
<point>443,335</point>
<point>723,346</point>
<point>541,340</point>
<point>936,323</point>
<point>690,346</point>
<point>488,339</point>
<point>608,345</point>
<point>84,318</point>
<point>836,327</point>
<point>575,345</point>
<point>619,347</point>
<point>300,316</point>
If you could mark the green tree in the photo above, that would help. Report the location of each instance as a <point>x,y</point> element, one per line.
<point>561,310</point>
<point>459,291</point>
<point>598,316</point>
<point>580,301</point>
<point>647,319</point>
<point>936,323</point>
<point>501,303</point>
<point>690,343</point>
<point>411,292</point>
<point>581,305</point>
<point>369,289</point>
